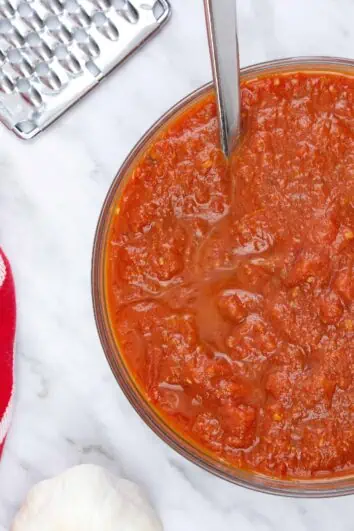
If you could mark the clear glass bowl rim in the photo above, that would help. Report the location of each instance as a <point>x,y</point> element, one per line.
<point>314,488</point>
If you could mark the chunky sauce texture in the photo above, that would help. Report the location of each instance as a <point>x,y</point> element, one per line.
<point>231,290</point>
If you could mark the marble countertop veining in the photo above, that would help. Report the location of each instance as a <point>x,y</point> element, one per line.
<point>69,408</point>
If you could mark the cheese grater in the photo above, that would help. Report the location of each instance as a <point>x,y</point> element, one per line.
<point>52,52</point>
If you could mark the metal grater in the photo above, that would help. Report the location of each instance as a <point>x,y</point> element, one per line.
<point>52,52</point>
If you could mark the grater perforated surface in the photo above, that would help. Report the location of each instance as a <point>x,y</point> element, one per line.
<point>52,52</point>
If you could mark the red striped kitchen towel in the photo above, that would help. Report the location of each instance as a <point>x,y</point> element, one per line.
<point>7,338</point>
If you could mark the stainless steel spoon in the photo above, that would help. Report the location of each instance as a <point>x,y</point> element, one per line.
<point>221,21</point>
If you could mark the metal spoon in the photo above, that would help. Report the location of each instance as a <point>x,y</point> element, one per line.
<point>221,21</point>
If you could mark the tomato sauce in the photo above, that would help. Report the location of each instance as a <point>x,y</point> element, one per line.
<point>230,289</point>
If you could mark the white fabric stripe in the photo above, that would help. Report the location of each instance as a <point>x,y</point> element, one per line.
<point>2,271</point>
<point>5,421</point>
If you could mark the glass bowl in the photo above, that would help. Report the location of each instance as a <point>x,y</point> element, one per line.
<point>336,486</point>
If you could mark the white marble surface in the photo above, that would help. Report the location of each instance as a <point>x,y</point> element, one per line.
<point>69,409</point>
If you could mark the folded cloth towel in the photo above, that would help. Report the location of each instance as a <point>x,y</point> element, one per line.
<point>7,337</point>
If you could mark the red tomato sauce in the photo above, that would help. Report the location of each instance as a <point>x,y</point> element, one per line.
<point>230,290</point>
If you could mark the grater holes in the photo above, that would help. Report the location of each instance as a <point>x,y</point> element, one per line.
<point>67,60</point>
<point>38,47</point>
<point>81,36</point>
<point>105,26</point>
<point>33,40</point>
<point>53,6</point>
<point>102,4</point>
<point>26,127</point>
<point>19,63</point>
<point>93,69</point>
<point>6,84</point>
<point>6,9</point>
<point>47,77</point>
<point>99,19</point>
<point>34,32</point>
<point>77,13</point>
<point>25,10</point>
<point>11,34</point>
<point>30,16</point>
<point>61,52</point>
<point>86,43</point>
<point>42,70</point>
<point>126,10</point>
<point>5,27</point>
<point>23,85</point>
<point>158,10</point>
<point>53,23</point>
<point>72,7</point>
<point>14,56</point>
<point>58,30</point>
<point>157,7</point>
<point>29,93</point>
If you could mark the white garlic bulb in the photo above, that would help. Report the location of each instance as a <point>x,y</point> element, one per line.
<point>86,498</point>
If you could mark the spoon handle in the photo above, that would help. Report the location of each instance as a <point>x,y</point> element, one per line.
<point>221,22</point>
